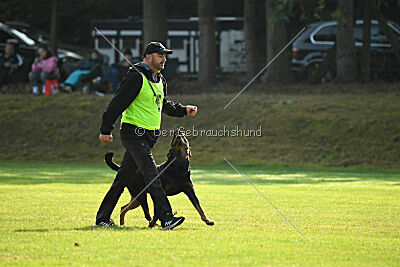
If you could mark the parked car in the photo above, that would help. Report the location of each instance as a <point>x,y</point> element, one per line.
<point>68,51</point>
<point>28,47</point>
<point>311,48</point>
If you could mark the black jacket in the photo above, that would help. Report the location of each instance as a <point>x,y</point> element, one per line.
<point>127,91</point>
<point>13,59</point>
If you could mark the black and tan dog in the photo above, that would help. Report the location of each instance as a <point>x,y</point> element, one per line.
<point>175,179</point>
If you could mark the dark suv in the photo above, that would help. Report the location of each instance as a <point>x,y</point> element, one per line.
<point>311,47</point>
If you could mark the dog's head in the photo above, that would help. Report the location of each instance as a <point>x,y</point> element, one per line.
<point>179,147</point>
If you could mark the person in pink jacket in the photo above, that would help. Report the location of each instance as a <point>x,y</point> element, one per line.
<point>43,68</point>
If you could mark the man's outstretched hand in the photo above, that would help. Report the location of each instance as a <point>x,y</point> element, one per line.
<point>191,110</point>
<point>106,138</point>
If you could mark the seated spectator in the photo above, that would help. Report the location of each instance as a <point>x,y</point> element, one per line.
<point>10,60</point>
<point>87,68</point>
<point>43,68</point>
<point>116,71</point>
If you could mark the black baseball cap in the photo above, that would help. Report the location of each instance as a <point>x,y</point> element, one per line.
<point>156,47</point>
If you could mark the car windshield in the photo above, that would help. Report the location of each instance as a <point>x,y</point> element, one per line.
<point>34,33</point>
<point>23,37</point>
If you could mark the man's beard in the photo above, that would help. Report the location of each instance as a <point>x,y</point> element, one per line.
<point>159,66</point>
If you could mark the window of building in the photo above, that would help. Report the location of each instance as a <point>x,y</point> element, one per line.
<point>377,34</point>
<point>103,43</point>
<point>129,42</point>
<point>177,42</point>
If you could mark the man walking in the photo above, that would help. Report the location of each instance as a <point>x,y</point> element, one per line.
<point>141,97</point>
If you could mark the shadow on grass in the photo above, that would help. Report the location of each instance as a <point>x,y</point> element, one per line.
<point>225,176</point>
<point>40,173</point>
<point>96,229</point>
<point>85,228</point>
<point>31,174</point>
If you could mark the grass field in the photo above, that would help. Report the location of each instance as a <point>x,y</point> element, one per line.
<point>331,129</point>
<point>348,217</point>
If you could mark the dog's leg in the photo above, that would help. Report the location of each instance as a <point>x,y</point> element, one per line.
<point>189,191</point>
<point>130,206</point>
<point>145,206</point>
<point>154,220</point>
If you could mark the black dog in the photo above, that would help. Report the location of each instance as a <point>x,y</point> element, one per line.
<point>175,179</point>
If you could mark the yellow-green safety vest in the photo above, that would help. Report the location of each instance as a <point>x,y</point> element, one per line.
<point>145,110</point>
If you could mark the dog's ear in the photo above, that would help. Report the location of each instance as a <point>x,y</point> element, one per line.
<point>179,131</point>
<point>187,144</point>
<point>176,132</point>
<point>173,142</point>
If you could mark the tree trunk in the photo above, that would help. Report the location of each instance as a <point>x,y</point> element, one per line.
<point>53,27</point>
<point>250,29</point>
<point>261,35</point>
<point>366,49</point>
<point>154,21</point>
<point>383,24</point>
<point>345,54</point>
<point>280,69</point>
<point>207,42</point>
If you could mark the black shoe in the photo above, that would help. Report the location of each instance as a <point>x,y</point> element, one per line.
<point>171,223</point>
<point>109,223</point>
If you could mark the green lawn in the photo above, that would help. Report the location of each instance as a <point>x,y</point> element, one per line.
<point>348,217</point>
<point>331,129</point>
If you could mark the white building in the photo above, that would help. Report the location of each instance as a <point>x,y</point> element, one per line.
<point>183,38</point>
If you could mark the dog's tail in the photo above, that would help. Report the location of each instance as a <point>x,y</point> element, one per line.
<point>108,157</point>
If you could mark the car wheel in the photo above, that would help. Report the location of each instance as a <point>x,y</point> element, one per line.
<point>312,73</point>
<point>314,76</point>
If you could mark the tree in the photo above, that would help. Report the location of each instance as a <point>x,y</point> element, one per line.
<point>280,69</point>
<point>345,54</point>
<point>53,27</point>
<point>250,29</point>
<point>389,35</point>
<point>207,42</point>
<point>366,49</point>
<point>154,21</point>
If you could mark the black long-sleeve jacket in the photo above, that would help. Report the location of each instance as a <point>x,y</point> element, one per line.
<point>128,90</point>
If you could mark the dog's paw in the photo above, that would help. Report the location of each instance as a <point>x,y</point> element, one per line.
<point>207,221</point>
<point>152,225</point>
<point>210,223</point>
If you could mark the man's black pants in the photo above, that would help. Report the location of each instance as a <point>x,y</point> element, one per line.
<point>137,156</point>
